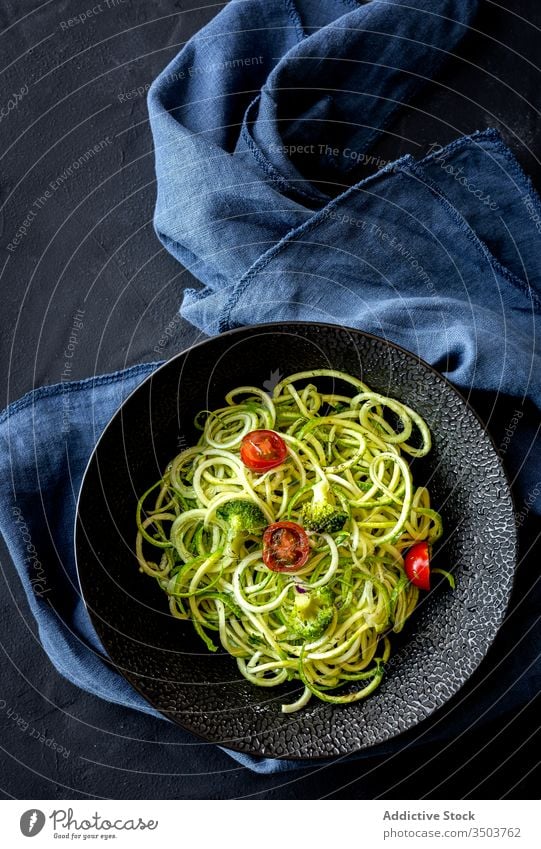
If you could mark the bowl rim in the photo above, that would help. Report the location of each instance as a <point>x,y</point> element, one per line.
<point>278,326</point>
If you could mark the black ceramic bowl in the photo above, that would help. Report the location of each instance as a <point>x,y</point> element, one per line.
<point>163,659</point>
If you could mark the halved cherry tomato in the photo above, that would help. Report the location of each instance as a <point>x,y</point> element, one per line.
<point>261,450</point>
<point>417,565</point>
<point>285,547</point>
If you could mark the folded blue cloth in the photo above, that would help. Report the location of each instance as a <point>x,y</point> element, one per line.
<point>259,123</point>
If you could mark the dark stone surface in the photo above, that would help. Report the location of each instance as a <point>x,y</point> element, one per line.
<point>90,246</point>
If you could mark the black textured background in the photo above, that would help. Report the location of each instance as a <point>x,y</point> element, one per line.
<point>91,247</point>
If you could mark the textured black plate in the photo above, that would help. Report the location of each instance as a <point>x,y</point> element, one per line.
<point>444,641</point>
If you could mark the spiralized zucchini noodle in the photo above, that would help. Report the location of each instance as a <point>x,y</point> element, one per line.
<point>328,622</point>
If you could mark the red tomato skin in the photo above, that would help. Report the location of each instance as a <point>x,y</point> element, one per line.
<point>248,450</point>
<point>269,547</point>
<point>417,565</point>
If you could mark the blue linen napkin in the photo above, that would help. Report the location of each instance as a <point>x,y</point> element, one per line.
<point>441,255</point>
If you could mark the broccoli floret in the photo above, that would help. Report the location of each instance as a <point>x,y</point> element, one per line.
<point>312,614</point>
<point>242,517</point>
<point>321,514</point>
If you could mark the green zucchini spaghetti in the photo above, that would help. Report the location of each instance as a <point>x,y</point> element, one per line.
<point>293,534</point>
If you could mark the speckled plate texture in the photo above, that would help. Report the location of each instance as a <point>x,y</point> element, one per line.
<point>443,642</point>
